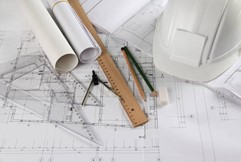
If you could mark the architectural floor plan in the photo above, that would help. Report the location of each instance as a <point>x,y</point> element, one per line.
<point>197,125</point>
<point>42,120</point>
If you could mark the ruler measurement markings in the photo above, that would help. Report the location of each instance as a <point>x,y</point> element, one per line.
<point>132,108</point>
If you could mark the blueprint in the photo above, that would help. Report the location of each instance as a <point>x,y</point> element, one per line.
<point>198,124</point>
<point>229,81</point>
<point>132,21</point>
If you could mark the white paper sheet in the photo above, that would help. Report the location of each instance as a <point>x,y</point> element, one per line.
<point>77,34</point>
<point>133,21</point>
<point>229,82</point>
<point>198,125</point>
<point>109,15</point>
<point>54,44</point>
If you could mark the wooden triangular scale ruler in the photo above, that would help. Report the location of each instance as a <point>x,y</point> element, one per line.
<point>128,101</point>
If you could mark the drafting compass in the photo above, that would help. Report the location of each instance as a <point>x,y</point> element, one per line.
<point>95,81</point>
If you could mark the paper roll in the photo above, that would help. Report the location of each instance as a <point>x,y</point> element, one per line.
<point>77,34</point>
<point>54,44</point>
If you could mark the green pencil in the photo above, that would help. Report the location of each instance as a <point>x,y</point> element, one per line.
<point>154,93</point>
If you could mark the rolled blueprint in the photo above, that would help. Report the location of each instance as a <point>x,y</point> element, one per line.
<point>77,34</point>
<point>53,42</point>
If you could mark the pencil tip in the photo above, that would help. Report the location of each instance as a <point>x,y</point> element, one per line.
<point>122,48</point>
<point>154,94</point>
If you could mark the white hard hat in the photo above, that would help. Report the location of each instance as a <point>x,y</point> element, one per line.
<point>198,39</point>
